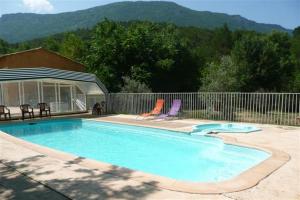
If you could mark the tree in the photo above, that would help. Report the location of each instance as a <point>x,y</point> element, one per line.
<point>4,47</point>
<point>72,47</point>
<point>167,58</point>
<point>294,85</point>
<point>295,53</point>
<point>295,45</point>
<point>146,52</point>
<point>221,76</point>
<point>23,46</point>
<point>51,44</point>
<point>105,54</point>
<point>222,40</point>
<point>264,62</point>
<point>133,86</point>
<point>296,32</point>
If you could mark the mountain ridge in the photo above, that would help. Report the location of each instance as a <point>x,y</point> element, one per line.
<point>27,26</point>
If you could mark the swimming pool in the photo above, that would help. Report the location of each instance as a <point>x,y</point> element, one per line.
<point>203,129</point>
<point>161,152</point>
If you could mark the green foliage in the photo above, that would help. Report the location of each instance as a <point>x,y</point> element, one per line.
<point>72,47</point>
<point>4,47</point>
<point>295,54</point>
<point>51,44</point>
<point>133,86</point>
<point>222,40</point>
<point>295,44</point>
<point>295,82</point>
<point>146,52</point>
<point>23,46</point>
<point>264,61</point>
<point>104,56</point>
<point>221,76</point>
<point>296,32</point>
<point>165,58</point>
<point>20,27</point>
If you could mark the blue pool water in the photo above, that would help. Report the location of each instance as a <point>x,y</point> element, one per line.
<point>224,128</point>
<point>166,153</point>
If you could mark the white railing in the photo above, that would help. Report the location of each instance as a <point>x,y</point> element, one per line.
<point>269,108</point>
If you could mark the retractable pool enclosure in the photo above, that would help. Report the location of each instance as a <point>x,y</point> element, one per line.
<point>64,91</point>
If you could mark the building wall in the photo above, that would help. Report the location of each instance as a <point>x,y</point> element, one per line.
<point>39,58</point>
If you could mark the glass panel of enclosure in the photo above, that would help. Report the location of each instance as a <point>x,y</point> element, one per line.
<point>11,93</point>
<point>65,104</point>
<point>30,93</point>
<point>61,97</point>
<point>93,99</point>
<point>49,95</point>
<point>79,99</point>
<point>1,95</point>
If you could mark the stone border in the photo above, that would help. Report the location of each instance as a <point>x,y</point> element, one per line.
<point>245,180</point>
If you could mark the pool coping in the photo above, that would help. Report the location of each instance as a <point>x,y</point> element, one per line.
<point>245,180</point>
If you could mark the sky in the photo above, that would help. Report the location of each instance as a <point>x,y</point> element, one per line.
<point>283,12</point>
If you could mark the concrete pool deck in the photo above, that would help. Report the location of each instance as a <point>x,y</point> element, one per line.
<point>79,182</point>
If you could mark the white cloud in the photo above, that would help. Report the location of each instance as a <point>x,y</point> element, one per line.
<point>38,6</point>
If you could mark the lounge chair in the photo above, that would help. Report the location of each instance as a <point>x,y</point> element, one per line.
<point>174,110</point>
<point>98,109</point>
<point>4,111</point>
<point>44,108</point>
<point>103,107</point>
<point>156,110</point>
<point>26,109</point>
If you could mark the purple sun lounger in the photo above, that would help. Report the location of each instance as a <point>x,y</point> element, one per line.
<point>174,110</point>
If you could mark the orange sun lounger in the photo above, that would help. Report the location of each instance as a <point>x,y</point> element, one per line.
<point>156,110</point>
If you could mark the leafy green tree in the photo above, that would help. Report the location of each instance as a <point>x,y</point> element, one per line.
<point>296,32</point>
<point>105,54</point>
<point>4,47</point>
<point>133,86</point>
<point>221,76</point>
<point>23,46</point>
<point>295,46</point>
<point>161,55</point>
<point>146,52</point>
<point>51,44</point>
<point>264,62</point>
<point>294,85</point>
<point>72,47</point>
<point>295,51</point>
<point>222,40</point>
<point>286,65</point>
<point>167,58</point>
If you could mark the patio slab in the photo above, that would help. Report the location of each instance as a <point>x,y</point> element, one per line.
<point>14,185</point>
<point>79,182</point>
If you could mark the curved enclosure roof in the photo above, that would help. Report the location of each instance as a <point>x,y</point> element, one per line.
<point>86,81</point>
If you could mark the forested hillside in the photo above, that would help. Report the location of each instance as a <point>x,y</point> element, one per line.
<point>161,57</point>
<point>25,26</point>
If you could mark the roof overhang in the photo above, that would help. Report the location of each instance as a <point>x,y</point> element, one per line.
<point>86,81</point>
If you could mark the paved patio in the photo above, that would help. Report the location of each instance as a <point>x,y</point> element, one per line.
<point>14,185</point>
<point>52,177</point>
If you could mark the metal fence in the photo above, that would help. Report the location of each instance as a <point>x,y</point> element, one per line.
<point>269,108</point>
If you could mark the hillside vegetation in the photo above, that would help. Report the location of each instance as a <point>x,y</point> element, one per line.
<point>161,57</point>
<point>21,27</point>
